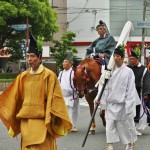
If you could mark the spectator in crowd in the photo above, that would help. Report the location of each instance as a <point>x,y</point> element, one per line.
<point>1,70</point>
<point>9,69</point>
<point>22,69</point>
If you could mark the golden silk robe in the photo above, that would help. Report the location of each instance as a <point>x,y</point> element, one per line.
<point>33,105</point>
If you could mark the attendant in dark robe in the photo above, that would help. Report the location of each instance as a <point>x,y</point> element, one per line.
<point>103,46</point>
<point>142,81</point>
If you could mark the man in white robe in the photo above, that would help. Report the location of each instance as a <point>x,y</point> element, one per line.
<point>119,102</point>
<point>69,92</point>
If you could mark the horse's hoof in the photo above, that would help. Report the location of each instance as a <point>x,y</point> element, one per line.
<point>92,132</point>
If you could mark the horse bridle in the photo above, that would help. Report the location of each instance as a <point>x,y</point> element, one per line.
<point>84,77</point>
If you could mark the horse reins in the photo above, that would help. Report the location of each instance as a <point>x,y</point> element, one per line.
<point>86,78</point>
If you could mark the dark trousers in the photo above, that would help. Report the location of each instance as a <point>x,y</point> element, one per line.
<point>137,117</point>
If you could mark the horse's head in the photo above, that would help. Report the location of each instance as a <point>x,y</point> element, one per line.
<point>80,80</point>
<point>86,76</point>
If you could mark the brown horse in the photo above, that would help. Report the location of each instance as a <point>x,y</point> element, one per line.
<point>86,76</point>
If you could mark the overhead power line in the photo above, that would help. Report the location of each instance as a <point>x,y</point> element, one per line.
<point>78,13</point>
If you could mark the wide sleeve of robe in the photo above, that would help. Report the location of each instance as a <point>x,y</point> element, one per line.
<point>10,103</point>
<point>57,118</point>
<point>89,50</point>
<point>109,47</point>
<point>131,96</point>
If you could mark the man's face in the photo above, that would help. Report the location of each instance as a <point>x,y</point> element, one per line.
<point>66,64</point>
<point>118,60</point>
<point>101,31</point>
<point>33,61</point>
<point>134,61</point>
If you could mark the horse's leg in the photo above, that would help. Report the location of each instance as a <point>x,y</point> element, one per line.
<point>91,106</point>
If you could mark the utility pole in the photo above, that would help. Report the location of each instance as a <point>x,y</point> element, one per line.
<point>143,35</point>
<point>27,33</point>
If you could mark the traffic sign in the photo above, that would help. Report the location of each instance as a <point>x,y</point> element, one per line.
<point>20,27</point>
<point>143,24</point>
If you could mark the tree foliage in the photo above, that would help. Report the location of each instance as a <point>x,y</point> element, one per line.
<point>61,48</point>
<point>41,16</point>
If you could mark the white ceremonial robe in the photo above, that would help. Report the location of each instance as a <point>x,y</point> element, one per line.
<point>71,101</point>
<point>64,78</point>
<point>119,102</point>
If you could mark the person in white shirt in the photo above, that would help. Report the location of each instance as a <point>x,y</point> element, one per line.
<point>69,92</point>
<point>119,102</point>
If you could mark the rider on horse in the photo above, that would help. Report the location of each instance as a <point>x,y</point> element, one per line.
<point>102,49</point>
<point>103,46</point>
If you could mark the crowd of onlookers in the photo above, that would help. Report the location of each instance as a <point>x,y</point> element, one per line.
<point>13,68</point>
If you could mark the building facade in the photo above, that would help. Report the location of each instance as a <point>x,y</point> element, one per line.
<point>82,16</point>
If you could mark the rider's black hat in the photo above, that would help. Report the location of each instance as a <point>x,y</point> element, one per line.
<point>101,23</point>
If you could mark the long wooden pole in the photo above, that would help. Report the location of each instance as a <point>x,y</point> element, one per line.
<point>27,33</point>
<point>93,115</point>
<point>143,36</point>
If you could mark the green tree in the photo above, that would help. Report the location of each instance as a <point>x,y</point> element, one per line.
<point>62,47</point>
<point>41,17</point>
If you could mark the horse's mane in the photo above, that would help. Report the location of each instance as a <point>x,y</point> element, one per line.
<point>87,60</point>
<point>90,62</point>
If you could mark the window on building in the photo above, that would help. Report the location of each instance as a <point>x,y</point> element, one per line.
<point>127,10</point>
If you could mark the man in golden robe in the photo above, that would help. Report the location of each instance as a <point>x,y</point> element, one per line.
<point>33,105</point>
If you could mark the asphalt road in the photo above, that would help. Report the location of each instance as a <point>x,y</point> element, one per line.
<point>73,141</point>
